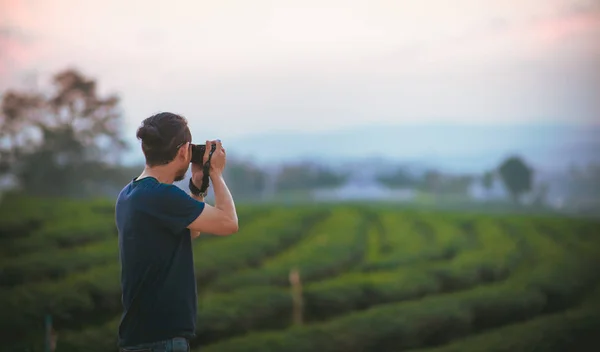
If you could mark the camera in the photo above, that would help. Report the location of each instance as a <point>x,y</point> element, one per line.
<point>198,151</point>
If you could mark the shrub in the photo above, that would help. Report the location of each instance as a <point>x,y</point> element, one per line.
<point>432,321</point>
<point>467,274</point>
<point>573,330</point>
<point>420,239</point>
<point>331,248</point>
<point>56,263</point>
<point>262,240</point>
<point>94,295</point>
<point>438,319</point>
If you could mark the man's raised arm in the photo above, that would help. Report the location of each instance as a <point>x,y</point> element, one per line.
<point>221,219</point>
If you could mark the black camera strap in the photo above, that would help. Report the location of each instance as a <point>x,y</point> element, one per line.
<point>205,177</point>
<point>206,172</point>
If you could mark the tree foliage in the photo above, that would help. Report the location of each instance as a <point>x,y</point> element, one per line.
<point>487,180</point>
<point>517,176</point>
<point>245,179</point>
<point>398,179</point>
<point>63,142</point>
<point>305,176</point>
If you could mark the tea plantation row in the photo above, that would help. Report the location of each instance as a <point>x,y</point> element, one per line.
<point>374,279</point>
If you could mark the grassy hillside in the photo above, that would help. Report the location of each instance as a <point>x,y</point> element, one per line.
<point>374,279</point>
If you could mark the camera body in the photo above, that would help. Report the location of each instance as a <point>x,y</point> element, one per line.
<point>198,151</point>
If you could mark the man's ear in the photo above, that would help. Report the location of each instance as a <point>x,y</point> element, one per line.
<point>185,151</point>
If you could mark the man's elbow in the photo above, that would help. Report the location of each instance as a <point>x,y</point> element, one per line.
<point>229,228</point>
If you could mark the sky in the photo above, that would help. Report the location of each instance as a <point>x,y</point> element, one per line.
<point>239,67</point>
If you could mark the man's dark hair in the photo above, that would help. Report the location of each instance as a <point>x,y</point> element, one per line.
<point>162,135</point>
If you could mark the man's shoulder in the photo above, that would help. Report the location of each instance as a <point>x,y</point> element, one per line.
<point>166,187</point>
<point>170,191</point>
<point>150,190</point>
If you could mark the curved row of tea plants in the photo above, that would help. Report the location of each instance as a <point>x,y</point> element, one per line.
<point>93,295</point>
<point>259,308</point>
<point>329,249</point>
<point>551,281</point>
<point>575,329</point>
<point>410,240</point>
<point>354,261</point>
<point>59,242</point>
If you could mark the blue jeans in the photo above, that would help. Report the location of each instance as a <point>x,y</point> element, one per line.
<point>177,344</point>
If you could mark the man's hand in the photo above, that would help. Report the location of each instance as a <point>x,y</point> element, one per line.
<point>218,160</point>
<point>197,175</point>
<point>222,218</point>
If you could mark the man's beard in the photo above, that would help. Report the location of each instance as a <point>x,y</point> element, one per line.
<point>181,174</point>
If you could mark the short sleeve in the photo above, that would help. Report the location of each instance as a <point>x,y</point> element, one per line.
<point>174,208</point>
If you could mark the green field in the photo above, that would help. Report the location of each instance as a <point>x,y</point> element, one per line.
<point>374,278</point>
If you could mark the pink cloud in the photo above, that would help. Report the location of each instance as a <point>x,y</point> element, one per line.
<point>557,30</point>
<point>15,55</point>
<point>534,38</point>
<point>15,45</point>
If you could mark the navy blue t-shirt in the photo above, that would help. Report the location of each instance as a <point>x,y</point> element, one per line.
<point>157,270</point>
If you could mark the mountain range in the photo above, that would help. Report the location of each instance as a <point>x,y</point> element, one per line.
<point>446,147</point>
<point>468,148</point>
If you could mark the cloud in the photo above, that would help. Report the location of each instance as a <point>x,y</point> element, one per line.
<point>581,7</point>
<point>150,37</point>
<point>563,28</point>
<point>499,24</point>
<point>15,46</point>
<point>15,33</point>
<point>534,39</point>
<point>313,63</point>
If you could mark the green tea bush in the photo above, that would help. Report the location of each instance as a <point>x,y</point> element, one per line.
<point>425,239</point>
<point>573,330</point>
<point>331,248</point>
<point>374,279</point>
<point>56,263</point>
<point>574,235</point>
<point>223,315</point>
<point>428,322</point>
<point>219,316</point>
<point>551,281</point>
<point>354,291</point>
<point>250,248</point>
<point>28,226</point>
<point>94,295</point>
<point>400,243</point>
<point>100,338</point>
<point>496,257</point>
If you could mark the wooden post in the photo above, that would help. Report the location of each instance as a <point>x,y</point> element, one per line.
<point>296,296</point>
<point>47,344</point>
<point>50,341</point>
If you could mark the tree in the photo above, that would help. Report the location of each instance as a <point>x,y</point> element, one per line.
<point>517,177</point>
<point>540,198</point>
<point>441,184</point>
<point>457,184</point>
<point>487,181</point>
<point>432,181</point>
<point>66,142</point>
<point>399,179</point>
<point>245,180</point>
<point>307,176</point>
<point>583,185</point>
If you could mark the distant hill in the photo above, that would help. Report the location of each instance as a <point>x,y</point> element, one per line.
<point>450,147</point>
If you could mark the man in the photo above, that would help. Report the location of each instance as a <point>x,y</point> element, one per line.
<point>156,222</point>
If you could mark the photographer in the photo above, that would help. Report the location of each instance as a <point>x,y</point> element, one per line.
<point>156,222</point>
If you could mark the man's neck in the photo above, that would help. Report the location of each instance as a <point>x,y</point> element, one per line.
<point>160,173</point>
